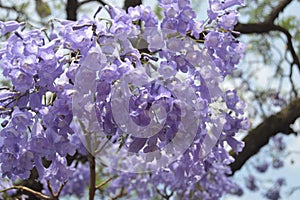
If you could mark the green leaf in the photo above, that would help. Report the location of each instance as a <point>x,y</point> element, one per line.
<point>158,11</point>
<point>5,82</point>
<point>288,22</point>
<point>42,8</point>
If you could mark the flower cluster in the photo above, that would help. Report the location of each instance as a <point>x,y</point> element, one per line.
<point>154,89</point>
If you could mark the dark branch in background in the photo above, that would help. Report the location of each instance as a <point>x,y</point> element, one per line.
<point>289,45</point>
<point>73,5</point>
<point>264,27</point>
<point>281,121</point>
<point>31,183</point>
<point>131,3</point>
<point>259,137</point>
<point>268,25</point>
<point>71,9</point>
<point>11,8</point>
<point>88,1</point>
<point>277,10</point>
<point>19,12</point>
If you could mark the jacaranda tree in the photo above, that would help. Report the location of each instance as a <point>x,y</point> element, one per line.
<point>123,106</point>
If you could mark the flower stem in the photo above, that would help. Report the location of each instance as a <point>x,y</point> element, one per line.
<point>92,188</point>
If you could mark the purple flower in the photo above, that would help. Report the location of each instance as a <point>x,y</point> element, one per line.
<point>229,3</point>
<point>251,183</point>
<point>234,102</point>
<point>277,163</point>
<point>21,80</point>
<point>35,101</point>
<point>21,119</point>
<point>273,194</point>
<point>8,26</point>
<point>262,167</point>
<point>24,165</point>
<point>155,40</point>
<point>58,170</point>
<point>228,20</point>
<point>212,39</point>
<point>135,13</point>
<point>183,4</point>
<point>215,7</point>
<point>197,28</point>
<point>237,146</point>
<point>8,164</point>
<point>167,69</point>
<point>182,27</point>
<point>169,25</point>
<point>39,122</point>
<point>281,182</point>
<point>165,2</point>
<point>136,144</point>
<point>174,44</point>
<point>81,178</point>
<point>237,191</point>
<point>182,63</point>
<point>278,142</point>
<point>109,73</point>
<point>187,14</point>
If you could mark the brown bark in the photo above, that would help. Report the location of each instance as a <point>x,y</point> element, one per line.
<point>259,136</point>
<point>71,9</point>
<point>281,121</point>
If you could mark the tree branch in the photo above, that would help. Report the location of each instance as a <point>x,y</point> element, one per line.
<point>23,188</point>
<point>121,194</point>
<point>12,8</point>
<point>71,9</point>
<point>268,25</point>
<point>289,44</point>
<point>103,183</point>
<point>92,188</point>
<point>259,137</point>
<point>73,5</point>
<point>264,27</point>
<point>88,1</point>
<point>278,9</point>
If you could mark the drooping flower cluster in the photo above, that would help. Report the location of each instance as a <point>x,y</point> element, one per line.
<point>154,89</point>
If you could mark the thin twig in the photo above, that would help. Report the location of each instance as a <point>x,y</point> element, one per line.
<point>103,183</point>
<point>121,194</point>
<point>60,189</point>
<point>294,189</point>
<point>164,196</point>
<point>26,189</point>
<point>292,82</point>
<point>92,188</point>
<point>277,10</point>
<point>88,1</point>
<point>50,188</point>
